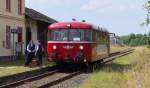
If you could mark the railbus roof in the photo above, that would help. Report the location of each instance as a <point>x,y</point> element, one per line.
<point>75,25</point>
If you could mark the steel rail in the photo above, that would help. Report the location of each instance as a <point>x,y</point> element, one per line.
<point>28,80</point>
<point>55,82</point>
<point>123,53</point>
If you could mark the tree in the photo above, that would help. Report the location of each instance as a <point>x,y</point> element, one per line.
<point>135,39</point>
<point>147,7</point>
<point>148,34</point>
<point>148,39</point>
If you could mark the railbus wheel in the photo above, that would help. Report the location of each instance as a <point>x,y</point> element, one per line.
<point>87,67</point>
<point>92,67</point>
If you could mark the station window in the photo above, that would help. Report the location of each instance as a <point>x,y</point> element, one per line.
<point>8,39</point>
<point>20,7</point>
<point>8,5</point>
<point>19,34</point>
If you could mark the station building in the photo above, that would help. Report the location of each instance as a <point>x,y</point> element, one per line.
<point>18,25</point>
<point>37,26</point>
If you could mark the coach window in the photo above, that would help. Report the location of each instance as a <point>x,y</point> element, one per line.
<point>103,38</point>
<point>98,36</point>
<point>94,35</point>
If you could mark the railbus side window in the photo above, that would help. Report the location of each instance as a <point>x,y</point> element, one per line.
<point>88,35</point>
<point>94,36</point>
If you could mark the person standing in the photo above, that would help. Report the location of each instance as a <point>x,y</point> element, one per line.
<point>39,51</point>
<point>30,52</point>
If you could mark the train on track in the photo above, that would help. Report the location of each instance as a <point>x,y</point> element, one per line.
<point>77,42</point>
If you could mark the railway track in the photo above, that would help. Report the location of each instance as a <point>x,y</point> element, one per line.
<point>117,55</point>
<point>44,80</point>
<point>56,76</point>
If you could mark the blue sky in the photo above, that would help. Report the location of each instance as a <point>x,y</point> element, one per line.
<point>118,16</point>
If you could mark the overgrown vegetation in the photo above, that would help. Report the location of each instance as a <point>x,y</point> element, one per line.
<point>136,39</point>
<point>131,71</point>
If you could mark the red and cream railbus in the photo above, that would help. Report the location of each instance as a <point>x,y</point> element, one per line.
<point>77,42</point>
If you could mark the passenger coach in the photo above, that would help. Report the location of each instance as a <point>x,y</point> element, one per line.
<point>77,42</point>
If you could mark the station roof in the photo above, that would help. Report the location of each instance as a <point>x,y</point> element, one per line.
<point>35,15</point>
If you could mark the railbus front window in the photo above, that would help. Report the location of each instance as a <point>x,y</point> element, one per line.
<point>70,35</point>
<point>76,35</point>
<point>58,35</point>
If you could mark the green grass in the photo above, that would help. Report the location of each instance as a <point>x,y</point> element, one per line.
<point>121,72</point>
<point>105,79</point>
<point>14,67</point>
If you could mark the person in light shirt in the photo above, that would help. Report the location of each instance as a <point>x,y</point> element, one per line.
<point>31,49</point>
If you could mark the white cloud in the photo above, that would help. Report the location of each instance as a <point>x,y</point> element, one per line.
<point>95,4</point>
<point>110,6</point>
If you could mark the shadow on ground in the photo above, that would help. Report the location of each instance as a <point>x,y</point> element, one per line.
<point>18,62</point>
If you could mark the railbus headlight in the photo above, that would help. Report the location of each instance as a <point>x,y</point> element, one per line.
<point>81,47</point>
<point>54,47</point>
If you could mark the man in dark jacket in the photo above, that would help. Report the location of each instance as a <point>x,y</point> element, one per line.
<point>39,51</point>
<point>30,52</point>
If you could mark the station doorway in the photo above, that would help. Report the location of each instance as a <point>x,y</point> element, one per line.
<point>28,35</point>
